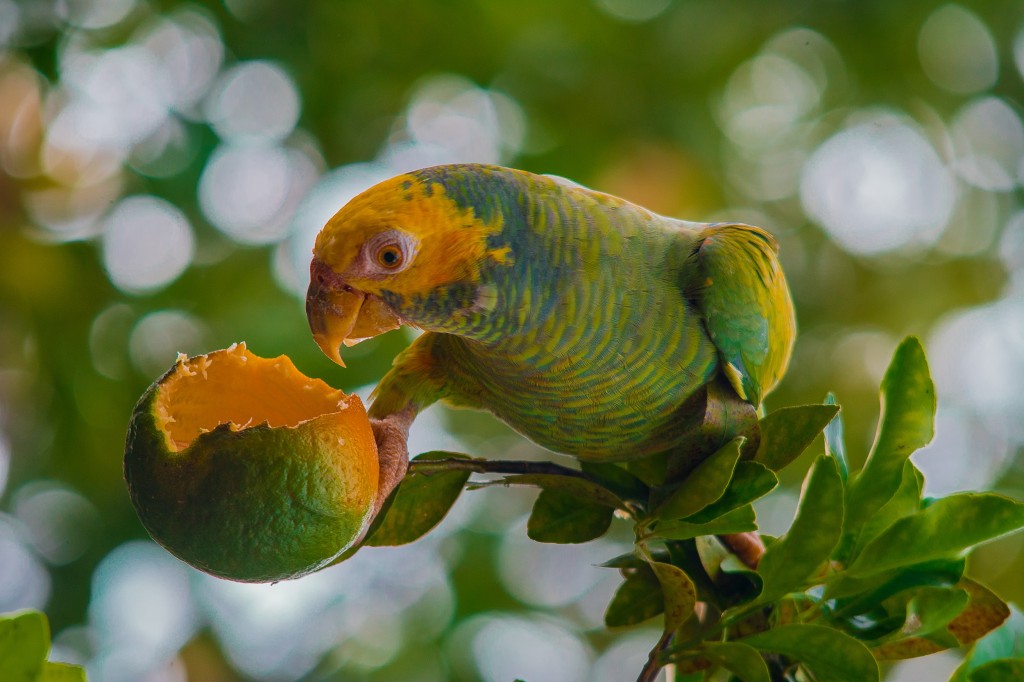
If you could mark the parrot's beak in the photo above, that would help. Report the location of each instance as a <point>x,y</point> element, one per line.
<point>339,314</point>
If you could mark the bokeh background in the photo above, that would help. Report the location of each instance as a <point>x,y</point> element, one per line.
<point>164,166</point>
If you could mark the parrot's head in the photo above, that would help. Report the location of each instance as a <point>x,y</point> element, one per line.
<point>404,251</point>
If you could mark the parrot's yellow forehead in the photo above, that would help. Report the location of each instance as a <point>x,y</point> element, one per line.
<point>452,241</point>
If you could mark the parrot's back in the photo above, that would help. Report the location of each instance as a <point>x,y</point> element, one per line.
<point>597,345</point>
<point>590,324</point>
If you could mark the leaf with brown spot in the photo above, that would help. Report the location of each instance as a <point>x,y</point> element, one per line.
<point>678,591</point>
<point>984,612</point>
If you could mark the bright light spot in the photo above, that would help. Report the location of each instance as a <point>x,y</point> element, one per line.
<point>546,574</point>
<point>976,358</point>
<point>250,192</point>
<point>633,10</point>
<point>623,658</point>
<point>5,461</point>
<point>141,607</point>
<point>272,632</point>
<point>61,524</point>
<point>158,337</point>
<point>10,16</point>
<point>93,14</point>
<point>118,95</point>
<point>814,53</point>
<point>168,151</point>
<point>1011,252</point>
<point>765,98</point>
<point>253,99</point>
<point>24,581</point>
<point>147,244</point>
<point>957,51</point>
<point>865,354</point>
<point>189,48</point>
<point>450,120</point>
<point>989,141</point>
<point>71,213</point>
<point>877,186</point>
<point>556,654</point>
<point>1018,52</point>
<point>775,512</point>
<point>108,340</point>
<point>974,224</point>
<point>938,666</point>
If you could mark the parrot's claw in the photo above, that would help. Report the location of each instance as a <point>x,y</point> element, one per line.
<point>392,436</point>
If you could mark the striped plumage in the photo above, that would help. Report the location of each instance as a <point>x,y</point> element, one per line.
<point>583,321</point>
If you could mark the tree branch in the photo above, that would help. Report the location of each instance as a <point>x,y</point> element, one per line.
<point>486,466</point>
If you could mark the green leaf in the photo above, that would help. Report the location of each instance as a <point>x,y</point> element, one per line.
<point>906,423</point>
<point>736,583</point>
<point>629,560</point>
<point>834,443</point>
<point>946,528</point>
<point>638,598</point>
<point>828,654</point>
<point>61,672</point>
<point>790,561</point>
<point>563,518</point>
<point>859,595</point>
<point>740,520</point>
<point>703,486</point>
<point>1004,670</point>
<point>927,610</point>
<point>787,432</point>
<point>577,486</point>
<point>741,660</point>
<point>420,502</point>
<point>24,643</point>
<point>750,481</point>
<point>684,554</point>
<point>906,501</point>
<point>617,479</point>
<point>678,592</point>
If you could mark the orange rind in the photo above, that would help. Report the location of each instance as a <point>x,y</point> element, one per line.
<point>245,468</point>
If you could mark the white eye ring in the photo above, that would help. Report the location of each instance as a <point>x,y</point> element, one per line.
<point>388,252</point>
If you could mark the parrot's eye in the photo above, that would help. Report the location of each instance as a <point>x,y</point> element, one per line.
<point>388,252</point>
<point>390,256</point>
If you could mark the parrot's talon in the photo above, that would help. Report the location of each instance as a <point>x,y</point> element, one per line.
<point>392,436</point>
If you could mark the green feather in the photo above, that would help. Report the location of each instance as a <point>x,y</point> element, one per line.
<point>594,339</point>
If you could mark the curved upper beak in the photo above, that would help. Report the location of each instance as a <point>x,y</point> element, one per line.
<point>339,314</point>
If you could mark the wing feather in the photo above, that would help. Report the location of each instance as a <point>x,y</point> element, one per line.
<point>747,307</point>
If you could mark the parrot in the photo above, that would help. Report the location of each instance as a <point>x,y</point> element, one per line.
<point>587,323</point>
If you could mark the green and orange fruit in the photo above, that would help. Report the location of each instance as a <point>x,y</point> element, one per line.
<point>245,468</point>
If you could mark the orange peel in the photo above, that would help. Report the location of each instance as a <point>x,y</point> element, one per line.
<point>247,469</point>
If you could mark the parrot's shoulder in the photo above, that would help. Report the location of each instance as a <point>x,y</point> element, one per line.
<point>741,291</point>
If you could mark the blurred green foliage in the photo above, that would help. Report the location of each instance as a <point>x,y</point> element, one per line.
<point>697,108</point>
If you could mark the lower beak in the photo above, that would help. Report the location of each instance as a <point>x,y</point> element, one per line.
<point>339,314</point>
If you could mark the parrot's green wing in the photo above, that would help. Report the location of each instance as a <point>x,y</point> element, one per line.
<point>746,304</point>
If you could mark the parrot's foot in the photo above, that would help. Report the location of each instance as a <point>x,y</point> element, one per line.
<point>748,547</point>
<point>392,436</point>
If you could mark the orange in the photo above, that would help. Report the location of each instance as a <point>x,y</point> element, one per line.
<point>245,468</point>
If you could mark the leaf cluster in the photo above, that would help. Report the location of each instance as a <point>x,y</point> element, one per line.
<point>869,571</point>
